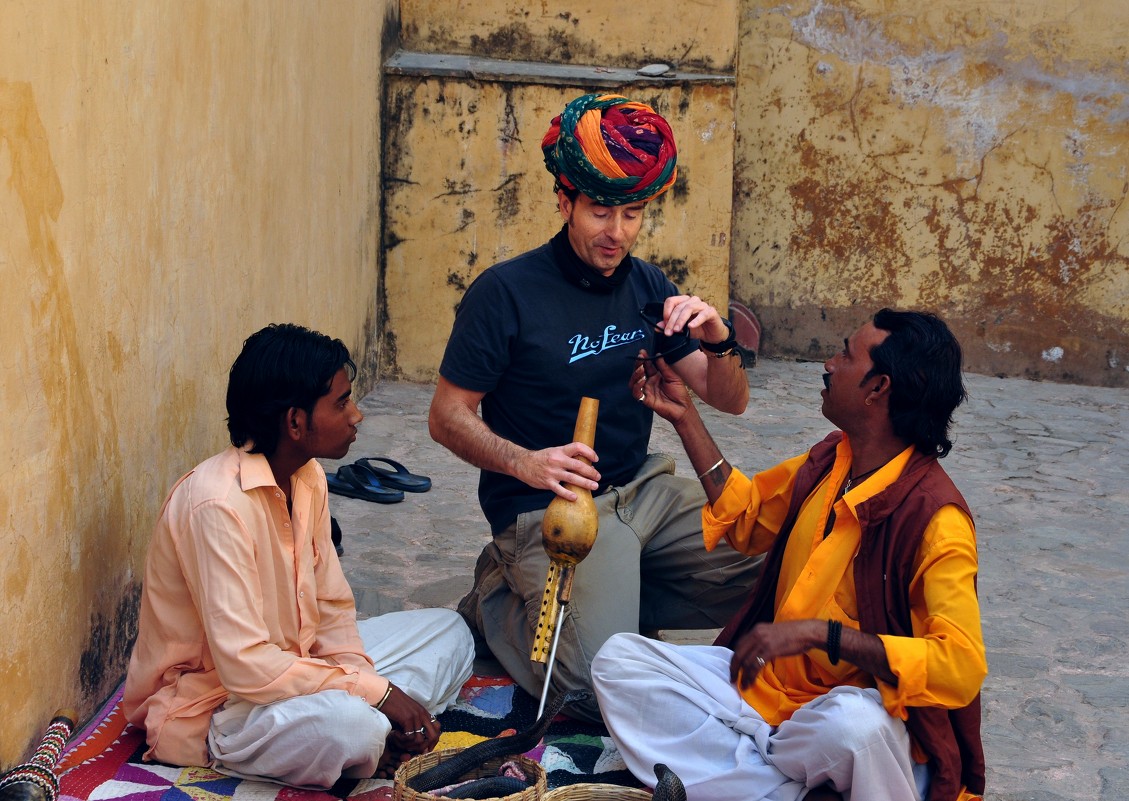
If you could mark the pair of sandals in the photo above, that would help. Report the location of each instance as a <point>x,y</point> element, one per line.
<point>368,480</point>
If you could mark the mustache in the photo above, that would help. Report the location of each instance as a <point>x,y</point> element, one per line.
<point>827,380</point>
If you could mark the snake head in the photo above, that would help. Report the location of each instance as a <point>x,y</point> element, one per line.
<point>453,769</point>
<point>669,786</point>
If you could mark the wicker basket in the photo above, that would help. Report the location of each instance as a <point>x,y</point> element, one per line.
<point>597,792</point>
<point>418,764</point>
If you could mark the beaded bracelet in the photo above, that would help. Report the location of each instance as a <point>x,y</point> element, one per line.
<point>834,635</point>
<point>387,693</point>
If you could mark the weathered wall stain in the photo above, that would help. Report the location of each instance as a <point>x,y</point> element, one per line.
<point>109,642</point>
<point>675,269</point>
<point>581,32</point>
<point>60,414</point>
<point>399,114</point>
<point>507,198</point>
<point>968,160</point>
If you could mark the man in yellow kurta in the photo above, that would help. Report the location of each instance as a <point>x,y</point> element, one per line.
<point>855,668</point>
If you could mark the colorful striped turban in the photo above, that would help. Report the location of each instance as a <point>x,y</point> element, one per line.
<point>614,150</point>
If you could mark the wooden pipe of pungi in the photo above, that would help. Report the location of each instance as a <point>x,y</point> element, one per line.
<point>568,532</point>
<point>35,780</point>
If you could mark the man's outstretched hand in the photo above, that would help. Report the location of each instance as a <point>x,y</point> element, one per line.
<point>654,383</point>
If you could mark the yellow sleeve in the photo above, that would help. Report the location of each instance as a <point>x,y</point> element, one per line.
<point>749,512</point>
<point>943,664</point>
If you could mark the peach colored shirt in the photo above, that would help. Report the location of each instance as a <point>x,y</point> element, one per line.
<point>241,597</point>
<point>942,665</point>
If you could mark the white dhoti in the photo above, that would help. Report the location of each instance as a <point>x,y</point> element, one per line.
<point>676,705</point>
<point>313,740</point>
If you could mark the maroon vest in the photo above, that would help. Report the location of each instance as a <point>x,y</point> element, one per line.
<point>893,523</point>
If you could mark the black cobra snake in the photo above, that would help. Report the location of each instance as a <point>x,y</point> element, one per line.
<point>669,787</point>
<point>449,772</point>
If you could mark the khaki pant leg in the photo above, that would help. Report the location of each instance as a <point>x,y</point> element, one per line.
<point>605,600</point>
<point>649,547</point>
<point>683,586</point>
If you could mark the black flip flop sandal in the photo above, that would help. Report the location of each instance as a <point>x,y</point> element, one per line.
<point>351,485</point>
<point>399,477</point>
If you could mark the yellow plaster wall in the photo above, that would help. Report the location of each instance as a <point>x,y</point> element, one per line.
<point>466,186</point>
<point>699,35</point>
<point>173,176</point>
<point>962,156</point>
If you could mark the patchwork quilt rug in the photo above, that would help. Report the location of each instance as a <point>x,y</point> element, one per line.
<point>103,760</point>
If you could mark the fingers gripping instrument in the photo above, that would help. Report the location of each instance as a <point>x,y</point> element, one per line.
<point>568,532</point>
<point>35,779</point>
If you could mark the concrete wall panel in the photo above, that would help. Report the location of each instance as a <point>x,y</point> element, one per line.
<point>466,186</point>
<point>582,32</point>
<point>963,157</point>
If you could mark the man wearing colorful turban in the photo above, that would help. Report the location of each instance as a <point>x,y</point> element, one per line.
<point>614,150</point>
<point>575,317</point>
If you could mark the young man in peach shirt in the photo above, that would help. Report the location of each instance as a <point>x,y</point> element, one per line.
<point>249,657</point>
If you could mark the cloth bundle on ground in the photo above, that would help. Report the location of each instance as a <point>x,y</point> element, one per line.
<point>614,150</point>
<point>103,761</point>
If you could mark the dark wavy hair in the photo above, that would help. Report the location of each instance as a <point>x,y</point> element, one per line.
<point>571,193</point>
<point>282,366</point>
<point>923,360</point>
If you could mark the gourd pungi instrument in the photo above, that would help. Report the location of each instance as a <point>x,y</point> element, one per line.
<point>568,532</point>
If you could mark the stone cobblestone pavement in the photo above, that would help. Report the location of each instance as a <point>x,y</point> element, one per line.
<point>1043,467</point>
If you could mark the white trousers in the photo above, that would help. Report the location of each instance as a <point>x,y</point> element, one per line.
<point>676,705</point>
<point>313,740</point>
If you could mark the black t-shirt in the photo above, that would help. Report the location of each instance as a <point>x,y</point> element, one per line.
<point>537,343</point>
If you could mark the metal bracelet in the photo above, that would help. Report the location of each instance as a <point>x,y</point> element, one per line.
<point>716,465</point>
